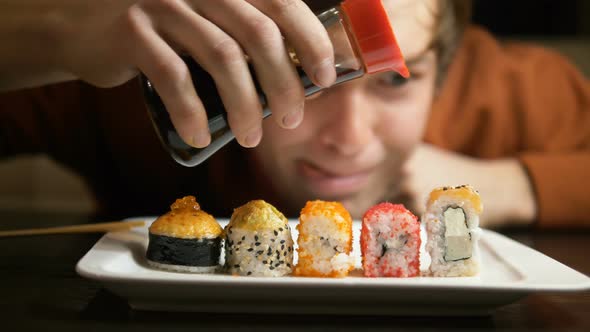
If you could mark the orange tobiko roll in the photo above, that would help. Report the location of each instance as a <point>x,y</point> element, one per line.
<point>324,241</point>
<point>390,242</point>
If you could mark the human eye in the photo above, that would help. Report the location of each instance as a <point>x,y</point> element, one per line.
<point>393,80</point>
<point>391,85</point>
<point>396,79</point>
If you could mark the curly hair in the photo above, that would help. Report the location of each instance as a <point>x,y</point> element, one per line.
<point>452,17</point>
<point>451,21</point>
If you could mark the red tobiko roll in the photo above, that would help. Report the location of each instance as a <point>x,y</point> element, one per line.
<point>390,242</point>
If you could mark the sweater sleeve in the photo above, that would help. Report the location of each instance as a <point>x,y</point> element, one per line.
<point>556,139</point>
<point>521,101</point>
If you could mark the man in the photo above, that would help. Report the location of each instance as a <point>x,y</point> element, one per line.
<point>491,123</point>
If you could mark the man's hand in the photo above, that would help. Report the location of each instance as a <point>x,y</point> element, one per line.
<point>107,42</point>
<point>503,184</point>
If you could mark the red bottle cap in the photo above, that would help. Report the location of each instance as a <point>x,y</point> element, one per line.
<point>374,35</point>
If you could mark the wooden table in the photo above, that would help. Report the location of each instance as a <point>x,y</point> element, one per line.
<point>40,290</point>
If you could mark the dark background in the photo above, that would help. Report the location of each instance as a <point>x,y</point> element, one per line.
<point>534,17</point>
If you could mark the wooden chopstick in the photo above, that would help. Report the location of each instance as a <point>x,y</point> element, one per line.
<point>87,228</point>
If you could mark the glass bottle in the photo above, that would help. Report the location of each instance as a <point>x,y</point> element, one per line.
<point>363,42</point>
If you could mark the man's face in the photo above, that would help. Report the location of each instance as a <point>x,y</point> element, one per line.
<point>356,136</point>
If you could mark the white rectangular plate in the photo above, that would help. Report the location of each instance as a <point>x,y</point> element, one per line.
<point>510,271</point>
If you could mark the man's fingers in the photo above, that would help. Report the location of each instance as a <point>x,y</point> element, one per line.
<point>261,39</point>
<point>222,57</point>
<point>305,33</point>
<point>171,78</point>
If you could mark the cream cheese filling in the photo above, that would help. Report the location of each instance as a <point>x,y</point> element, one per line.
<point>457,237</point>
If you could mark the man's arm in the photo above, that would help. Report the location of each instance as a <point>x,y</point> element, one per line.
<point>518,105</point>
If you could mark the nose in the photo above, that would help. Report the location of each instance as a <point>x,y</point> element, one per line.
<point>347,120</point>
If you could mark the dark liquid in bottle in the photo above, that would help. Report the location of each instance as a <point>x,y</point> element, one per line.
<point>218,125</point>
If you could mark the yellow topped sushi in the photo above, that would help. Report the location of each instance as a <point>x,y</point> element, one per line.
<point>258,241</point>
<point>452,227</point>
<point>185,239</point>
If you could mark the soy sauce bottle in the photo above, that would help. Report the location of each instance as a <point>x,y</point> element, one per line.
<point>363,41</point>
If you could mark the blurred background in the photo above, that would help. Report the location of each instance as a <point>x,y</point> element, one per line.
<point>38,183</point>
<point>562,25</point>
<point>534,18</point>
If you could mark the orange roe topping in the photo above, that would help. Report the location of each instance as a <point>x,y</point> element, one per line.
<point>328,209</point>
<point>186,221</point>
<point>187,202</point>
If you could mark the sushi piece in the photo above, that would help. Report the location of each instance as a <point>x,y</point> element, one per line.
<point>390,242</point>
<point>452,227</point>
<point>186,239</point>
<point>324,241</point>
<point>258,241</point>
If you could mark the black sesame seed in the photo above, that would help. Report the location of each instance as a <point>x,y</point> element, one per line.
<point>290,248</point>
<point>281,262</point>
<point>285,253</point>
<point>281,229</point>
<point>272,240</point>
<point>282,247</point>
<point>282,241</point>
<point>259,252</point>
<point>272,268</point>
<point>249,272</point>
<point>239,242</point>
<point>257,244</point>
<point>243,237</point>
<point>321,237</point>
<point>256,237</point>
<point>250,249</point>
<point>288,265</point>
<point>276,233</point>
<point>265,262</point>
<point>269,252</point>
<point>237,266</point>
<point>277,264</point>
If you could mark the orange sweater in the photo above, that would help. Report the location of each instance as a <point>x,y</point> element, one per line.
<point>499,101</point>
<point>524,102</point>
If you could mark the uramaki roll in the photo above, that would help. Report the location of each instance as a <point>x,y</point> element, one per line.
<point>452,227</point>
<point>258,241</point>
<point>390,242</point>
<point>324,241</point>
